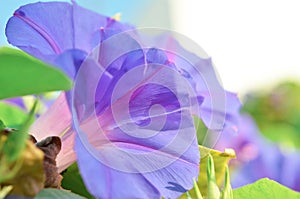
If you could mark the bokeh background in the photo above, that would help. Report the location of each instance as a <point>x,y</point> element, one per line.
<point>252,43</point>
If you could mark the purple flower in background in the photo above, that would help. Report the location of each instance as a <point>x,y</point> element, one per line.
<point>258,157</point>
<point>133,102</point>
<point>19,102</point>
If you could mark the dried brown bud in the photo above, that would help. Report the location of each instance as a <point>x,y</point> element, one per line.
<point>38,168</point>
<point>51,146</point>
<point>32,139</point>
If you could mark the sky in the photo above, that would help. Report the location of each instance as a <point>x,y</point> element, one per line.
<point>253,44</point>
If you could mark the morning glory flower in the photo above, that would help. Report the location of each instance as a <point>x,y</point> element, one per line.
<point>131,111</point>
<point>60,34</point>
<point>136,103</point>
<point>258,157</point>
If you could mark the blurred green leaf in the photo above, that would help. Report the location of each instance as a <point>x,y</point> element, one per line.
<point>221,160</point>
<point>55,193</point>
<point>11,115</point>
<point>21,74</point>
<point>16,141</point>
<point>265,188</point>
<point>282,133</point>
<point>201,129</point>
<point>2,125</point>
<point>277,112</point>
<point>72,181</point>
<point>21,163</point>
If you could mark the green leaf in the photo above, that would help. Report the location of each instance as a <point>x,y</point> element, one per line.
<point>201,129</point>
<point>16,141</point>
<point>221,160</point>
<point>2,125</point>
<point>276,111</point>
<point>55,193</point>
<point>12,116</point>
<point>265,188</point>
<point>21,74</point>
<point>72,181</point>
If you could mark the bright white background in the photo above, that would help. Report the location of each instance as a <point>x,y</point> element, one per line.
<point>252,43</point>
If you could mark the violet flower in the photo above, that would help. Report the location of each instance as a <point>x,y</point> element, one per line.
<point>60,34</point>
<point>132,104</point>
<point>18,101</point>
<point>258,157</point>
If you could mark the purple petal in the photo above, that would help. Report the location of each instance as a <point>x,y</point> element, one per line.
<point>70,61</point>
<point>219,116</point>
<point>146,132</point>
<point>112,62</point>
<point>105,182</point>
<point>128,158</point>
<point>46,29</point>
<point>220,109</point>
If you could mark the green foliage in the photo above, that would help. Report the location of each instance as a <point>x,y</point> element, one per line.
<point>55,193</point>
<point>277,113</point>
<point>21,74</point>
<point>2,125</point>
<point>16,141</point>
<point>21,163</point>
<point>201,130</point>
<point>11,115</point>
<point>265,189</point>
<point>72,181</point>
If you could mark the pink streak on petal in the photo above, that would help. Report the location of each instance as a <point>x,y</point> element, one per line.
<point>54,122</point>
<point>67,155</point>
